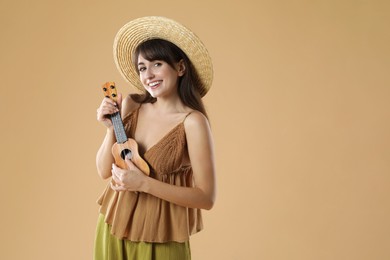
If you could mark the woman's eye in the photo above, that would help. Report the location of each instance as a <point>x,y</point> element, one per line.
<point>157,64</point>
<point>140,69</point>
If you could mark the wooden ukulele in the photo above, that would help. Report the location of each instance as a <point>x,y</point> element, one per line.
<point>124,147</point>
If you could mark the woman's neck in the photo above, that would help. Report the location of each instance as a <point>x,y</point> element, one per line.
<point>169,105</point>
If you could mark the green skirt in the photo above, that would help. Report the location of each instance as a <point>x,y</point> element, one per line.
<point>109,247</point>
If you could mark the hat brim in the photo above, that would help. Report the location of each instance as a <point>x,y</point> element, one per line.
<point>142,29</point>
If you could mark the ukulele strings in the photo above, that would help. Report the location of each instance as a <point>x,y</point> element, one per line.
<point>117,128</point>
<point>116,120</point>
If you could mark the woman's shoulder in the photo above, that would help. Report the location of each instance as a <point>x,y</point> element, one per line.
<point>129,105</point>
<point>195,121</point>
<point>198,133</point>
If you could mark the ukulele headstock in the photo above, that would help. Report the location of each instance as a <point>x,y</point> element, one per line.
<point>109,90</point>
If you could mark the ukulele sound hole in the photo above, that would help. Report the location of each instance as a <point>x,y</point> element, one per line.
<point>126,153</point>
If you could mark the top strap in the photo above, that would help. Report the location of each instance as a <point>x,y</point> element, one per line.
<point>186,116</point>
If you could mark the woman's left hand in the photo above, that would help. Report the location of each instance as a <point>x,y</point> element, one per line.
<point>127,179</point>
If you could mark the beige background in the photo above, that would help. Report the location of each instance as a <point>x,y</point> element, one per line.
<point>299,110</point>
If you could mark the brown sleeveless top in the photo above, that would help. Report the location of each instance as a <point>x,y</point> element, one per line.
<point>143,217</point>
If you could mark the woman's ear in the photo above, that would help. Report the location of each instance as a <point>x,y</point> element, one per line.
<point>181,68</point>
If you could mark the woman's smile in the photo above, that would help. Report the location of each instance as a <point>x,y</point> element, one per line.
<point>154,84</point>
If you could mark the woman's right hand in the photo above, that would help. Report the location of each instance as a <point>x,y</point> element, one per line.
<point>107,108</point>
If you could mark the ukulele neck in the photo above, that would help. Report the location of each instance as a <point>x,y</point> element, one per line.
<point>119,129</point>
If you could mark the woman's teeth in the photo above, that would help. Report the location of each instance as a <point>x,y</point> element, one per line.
<point>154,83</point>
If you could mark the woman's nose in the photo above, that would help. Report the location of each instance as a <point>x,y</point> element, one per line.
<point>149,74</point>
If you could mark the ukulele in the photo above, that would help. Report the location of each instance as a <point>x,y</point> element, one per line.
<point>124,147</point>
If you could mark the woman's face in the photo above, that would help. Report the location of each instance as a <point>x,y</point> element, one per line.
<point>158,77</point>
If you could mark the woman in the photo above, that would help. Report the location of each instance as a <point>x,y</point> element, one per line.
<point>152,217</point>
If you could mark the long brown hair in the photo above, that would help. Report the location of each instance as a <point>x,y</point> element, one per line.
<point>189,83</point>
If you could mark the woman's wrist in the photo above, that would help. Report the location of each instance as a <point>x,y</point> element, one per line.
<point>110,130</point>
<point>145,184</point>
<point>110,135</point>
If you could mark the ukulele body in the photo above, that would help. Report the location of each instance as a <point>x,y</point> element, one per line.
<point>129,149</point>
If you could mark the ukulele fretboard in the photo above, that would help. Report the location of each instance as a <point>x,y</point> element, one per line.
<point>119,130</point>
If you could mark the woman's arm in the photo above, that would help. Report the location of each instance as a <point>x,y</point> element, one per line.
<point>200,150</point>
<point>104,158</point>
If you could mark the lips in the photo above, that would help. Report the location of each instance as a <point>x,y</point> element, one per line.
<point>154,84</point>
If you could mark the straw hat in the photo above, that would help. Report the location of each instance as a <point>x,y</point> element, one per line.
<point>154,27</point>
